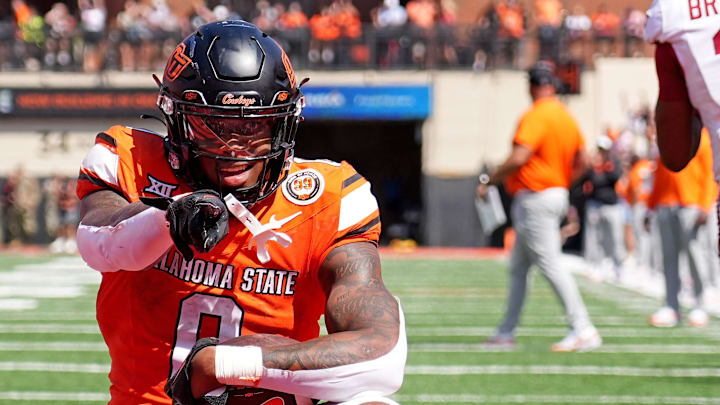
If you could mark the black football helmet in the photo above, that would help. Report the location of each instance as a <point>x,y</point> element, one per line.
<point>227,86</point>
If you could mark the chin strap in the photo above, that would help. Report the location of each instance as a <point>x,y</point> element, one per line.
<point>262,234</point>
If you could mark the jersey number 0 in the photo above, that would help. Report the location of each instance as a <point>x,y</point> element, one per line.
<point>222,312</point>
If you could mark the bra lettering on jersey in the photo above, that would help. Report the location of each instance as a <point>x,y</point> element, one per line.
<point>268,281</point>
<point>159,188</point>
<point>702,8</point>
<point>197,271</point>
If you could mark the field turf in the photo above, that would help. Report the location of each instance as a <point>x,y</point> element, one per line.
<point>51,351</point>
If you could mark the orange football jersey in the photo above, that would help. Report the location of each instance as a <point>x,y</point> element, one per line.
<point>150,319</point>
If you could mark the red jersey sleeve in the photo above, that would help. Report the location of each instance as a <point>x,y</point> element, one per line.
<point>671,77</point>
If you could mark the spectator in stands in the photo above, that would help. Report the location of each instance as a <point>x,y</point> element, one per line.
<point>446,27</point>
<point>605,29</point>
<point>31,32</point>
<point>484,38</point>
<point>633,25</point>
<point>390,14</point>
<point>293,33</point>
<point>347,17</point>
<point>294,18</point>
<point>93,15</point>
<point>134,31</point>
<point>603,212</point>
<point>576,28</point>
<point>421,15</point>
<point>7,32</point>
<point>392,40</point>
<point>682,202</point>
<point>324,33</point>
<point>202,15</point>
<point>164,27</point>
<point>265,16</point>
<point>58,44</point>
<point>548,14</point>
<point>347,48</point>
<point>511,30</point>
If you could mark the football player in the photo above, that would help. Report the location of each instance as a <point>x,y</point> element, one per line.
<point>217,230</point>
<point>687,59</point>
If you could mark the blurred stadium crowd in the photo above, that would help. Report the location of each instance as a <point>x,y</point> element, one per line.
<point>87,35</point>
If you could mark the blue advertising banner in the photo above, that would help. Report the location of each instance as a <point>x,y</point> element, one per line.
<point>367,102</point>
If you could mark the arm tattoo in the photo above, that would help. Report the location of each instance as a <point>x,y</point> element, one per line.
<point>106,208</point>
<point>361,316</point>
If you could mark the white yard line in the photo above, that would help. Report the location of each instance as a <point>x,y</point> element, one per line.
<point>53,346</point>
<point>48,316</point>
<point>55,396</point>
<point>82,329</point>
<point>561,331</point>
<point>561,370</point>
<point>55,367</point>
<point>606,348</point>
<point>552,399</point>
<point>419,319</point>
<point>492,369</point>
<point>17,304</point>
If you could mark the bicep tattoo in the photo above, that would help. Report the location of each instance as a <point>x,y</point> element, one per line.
<point>357,297</point>
<point>107,208</point>
<point>361,316</point>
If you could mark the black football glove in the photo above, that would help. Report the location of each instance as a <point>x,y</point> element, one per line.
<point>178,387</point>
<point>199,220</point>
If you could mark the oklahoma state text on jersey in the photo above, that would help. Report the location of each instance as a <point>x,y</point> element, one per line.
<point>150,319</point>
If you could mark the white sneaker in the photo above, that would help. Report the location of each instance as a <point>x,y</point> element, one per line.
<point>57,245</point>
<point>70,246</point>
<point>584,341</point>
<point>698,318</point>
<point>665,317</point>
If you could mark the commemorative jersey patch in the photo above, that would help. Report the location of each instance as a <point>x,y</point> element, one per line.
<point>304,187</point>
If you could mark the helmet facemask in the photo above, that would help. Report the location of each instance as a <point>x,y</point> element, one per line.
<point>230,136</point>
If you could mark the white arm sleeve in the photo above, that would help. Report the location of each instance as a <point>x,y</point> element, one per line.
<point>133,244</point>
<point>380,377</point>
<point>654,22</point>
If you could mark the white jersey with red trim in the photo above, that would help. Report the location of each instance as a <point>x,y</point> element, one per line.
<point>693,29</point>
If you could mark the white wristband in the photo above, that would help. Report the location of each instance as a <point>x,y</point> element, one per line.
<point>238,365</point>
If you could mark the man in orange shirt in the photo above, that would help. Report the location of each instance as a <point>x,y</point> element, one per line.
<point>682,202</point>
<point>547,155</point>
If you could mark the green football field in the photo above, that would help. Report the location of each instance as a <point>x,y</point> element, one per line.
<point>51,351</point>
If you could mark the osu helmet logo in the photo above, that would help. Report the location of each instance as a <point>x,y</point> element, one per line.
<point>288,66</point>
<point>177,63</point>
